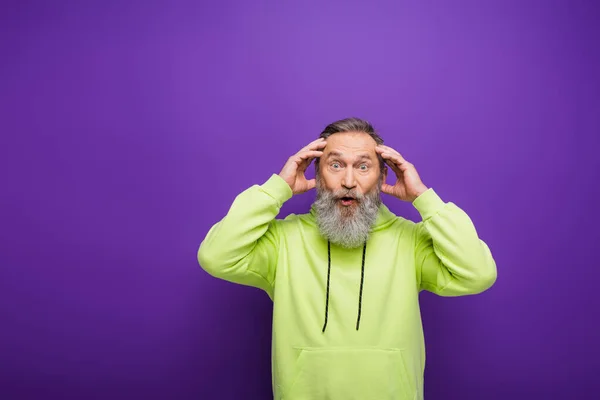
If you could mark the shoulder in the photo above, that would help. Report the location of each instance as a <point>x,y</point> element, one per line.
<point>293,219</point>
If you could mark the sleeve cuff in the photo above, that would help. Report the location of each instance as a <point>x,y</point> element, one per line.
<point>428,203</point>
<point>277,188</point>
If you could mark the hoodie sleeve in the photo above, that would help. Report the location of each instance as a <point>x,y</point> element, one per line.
<point>450,258</point>
<point>243,246</point>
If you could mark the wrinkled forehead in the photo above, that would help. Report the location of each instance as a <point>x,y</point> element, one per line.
<point>350,146</point>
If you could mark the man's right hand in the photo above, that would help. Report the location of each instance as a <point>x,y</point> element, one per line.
<point>294,169</point>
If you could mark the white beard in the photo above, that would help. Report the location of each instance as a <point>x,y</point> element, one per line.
<point>346,226</point>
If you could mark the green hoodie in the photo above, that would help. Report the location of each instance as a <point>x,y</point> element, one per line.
<point>346,322</point>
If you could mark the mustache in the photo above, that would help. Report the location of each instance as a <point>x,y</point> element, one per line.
<point>322,190</point>
<point>341,193</point>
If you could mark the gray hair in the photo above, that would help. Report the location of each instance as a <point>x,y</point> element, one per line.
<point>340,225</point>
<point>352,125</point>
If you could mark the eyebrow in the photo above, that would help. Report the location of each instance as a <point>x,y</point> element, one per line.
<point>338,154</point>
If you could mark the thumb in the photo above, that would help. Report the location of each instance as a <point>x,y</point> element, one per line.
<point>310,184</point>
<point>386,188</point>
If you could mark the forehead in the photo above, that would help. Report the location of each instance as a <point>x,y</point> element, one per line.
<point>350,144</point>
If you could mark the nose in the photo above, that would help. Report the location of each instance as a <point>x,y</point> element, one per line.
<point>349,181</point>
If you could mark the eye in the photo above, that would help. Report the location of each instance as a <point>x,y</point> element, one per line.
<point>363,167</point>
<point>335,165</point>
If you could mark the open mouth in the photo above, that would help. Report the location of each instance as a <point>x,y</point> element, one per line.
<point>347,201</point>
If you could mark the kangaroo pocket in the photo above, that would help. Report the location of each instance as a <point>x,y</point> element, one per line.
<point>351,374</point>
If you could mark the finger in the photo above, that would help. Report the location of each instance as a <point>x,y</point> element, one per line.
<point>398,160</point>
<point>389,160</point>
<point>307,154</point>
<point>382,148</point>
<point>304,158</point>
<point>386,149</point>
<point>315,144</point>
<point>386,188</point>
<point>318,146</point>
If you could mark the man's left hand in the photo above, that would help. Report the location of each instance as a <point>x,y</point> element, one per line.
<point>408,185</point>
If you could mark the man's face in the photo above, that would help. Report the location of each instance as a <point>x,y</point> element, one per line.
<point>349,163</point>
<point>348,188</point>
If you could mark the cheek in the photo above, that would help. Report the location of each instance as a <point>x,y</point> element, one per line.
<point>329,180</point>
<point>369,182</point>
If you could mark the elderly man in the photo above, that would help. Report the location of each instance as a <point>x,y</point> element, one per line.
<point>345,277</point>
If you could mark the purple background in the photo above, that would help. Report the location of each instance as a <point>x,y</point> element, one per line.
<point>129,127</point>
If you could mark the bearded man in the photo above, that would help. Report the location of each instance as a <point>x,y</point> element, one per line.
<point>345,277</point>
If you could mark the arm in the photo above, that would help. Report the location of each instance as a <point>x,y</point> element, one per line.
<point>450,258</point>
<point>243,246</point>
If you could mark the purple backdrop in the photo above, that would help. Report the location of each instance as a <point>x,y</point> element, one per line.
<point>129,127</point>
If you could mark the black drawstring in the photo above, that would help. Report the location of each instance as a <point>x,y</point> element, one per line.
<point>362,278</point>
<point>328,273</point>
